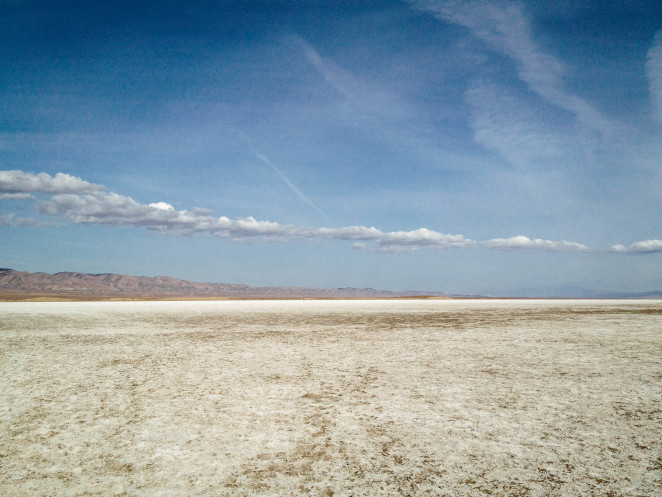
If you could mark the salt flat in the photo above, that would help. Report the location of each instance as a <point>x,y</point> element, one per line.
<point>392,397</point>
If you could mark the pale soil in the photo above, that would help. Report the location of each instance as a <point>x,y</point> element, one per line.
<point>331,397</point>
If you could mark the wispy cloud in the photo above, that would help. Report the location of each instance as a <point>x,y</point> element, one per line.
<point>6,219</point>
<point>340,80</point>
<point>12,220</point>
<point>392,120</point>
<point>505,28</point>
<point>369,106</point>
<point>360,97</point>
<point>76,200</point>
<point>654,73</point>
<point>506,125</point>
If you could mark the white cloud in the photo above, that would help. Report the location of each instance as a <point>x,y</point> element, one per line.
<point>654,73</point>
<point>10,220</point>
<point>162,206</point>
<point>422,237</point>
<point>505,28</point>
<point>643,247</point>
<point>91,204</point>
<point>524,242</point>
<point>22,182</point>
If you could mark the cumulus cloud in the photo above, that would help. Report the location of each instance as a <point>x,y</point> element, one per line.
<point>25,183</point>
<point>505,28</point>
<point>422,237</point>
<point>162,206</point>
<point>78,201</point>
<point>654,73</point>
<point>643,247</point>
<point>524,242</point>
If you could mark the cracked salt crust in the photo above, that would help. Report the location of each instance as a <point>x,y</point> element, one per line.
<point>331,398</point>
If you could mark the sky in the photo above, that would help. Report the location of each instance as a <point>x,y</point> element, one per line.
<point>480,147</point>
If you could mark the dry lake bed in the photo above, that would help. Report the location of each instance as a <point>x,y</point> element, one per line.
<point>346,398</point>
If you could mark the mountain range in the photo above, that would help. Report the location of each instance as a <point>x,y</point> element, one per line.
<point>21,285</point>
<point>18,285</point>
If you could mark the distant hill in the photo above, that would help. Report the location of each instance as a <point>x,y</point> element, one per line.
<point>17,285</point>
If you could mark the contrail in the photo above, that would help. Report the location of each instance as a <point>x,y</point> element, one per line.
<point>289,184</point>
<point>280,174</point>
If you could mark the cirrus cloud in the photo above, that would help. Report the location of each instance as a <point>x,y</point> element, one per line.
<point>505,27</point>
<point>654,73</point>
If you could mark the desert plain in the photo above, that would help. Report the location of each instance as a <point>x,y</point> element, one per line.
<point>347,398</point>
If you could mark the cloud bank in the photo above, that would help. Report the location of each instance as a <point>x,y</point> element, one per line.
<point>78,201</point>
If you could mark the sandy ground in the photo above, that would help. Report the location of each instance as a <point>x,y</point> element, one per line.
<point>344,398</point>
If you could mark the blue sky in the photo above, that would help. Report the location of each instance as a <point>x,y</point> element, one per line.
<point>470,147</point>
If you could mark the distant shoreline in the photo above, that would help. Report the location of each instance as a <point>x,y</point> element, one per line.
<point>188,298</point>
